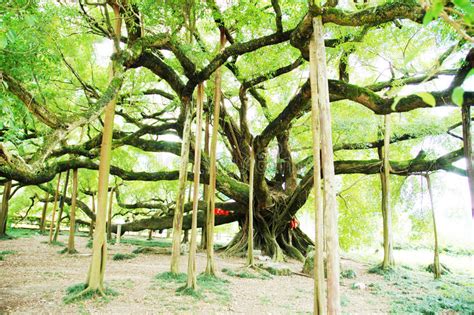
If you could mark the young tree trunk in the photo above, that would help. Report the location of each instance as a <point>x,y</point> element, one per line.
<point>388,260</point>
<point>95,276</point>
<point>61,208</point>
<point>183,173</point>
<point>436,264</point>
<point>467,143</point>
<point>250,261</point>
<point>330,203</point>
<point>150,234</point>
<point>192,282</point>
<point>206,186</point>
<point>210,266</point>
<point>320,305</point>
<point>7,187</point>
<point>56,196</point>
<point>43,213</point>
<point>91,226</point>
<point>72,214</point>
<point>185,237</point>
<point>109,216</point>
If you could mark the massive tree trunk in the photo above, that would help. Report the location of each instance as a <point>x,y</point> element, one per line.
<point>56,196</point>
<point>436,264</point>
<point>7,187</point>
<point>72,214</point>
<point>61,208</point>
<point>388,260</point>
<point>320,305</point>
<point>183,172</point>
<point>467,143</point>
<point>95,276</point>
<point>192,282</point>
<point>43,213</point>
<point>210,267</point>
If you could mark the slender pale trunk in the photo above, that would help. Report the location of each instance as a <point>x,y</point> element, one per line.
<point>330,203</point>
<point>436,264</point>
<point>61,207</point>
<point>192,282</point>
<point>91,226</point>
<point>183,173</point>
<point>7,187</point>
<point>320,305</point>
<point>109,216</point>
<point>388,260</point>
<point>467,143</point>
<point>206,186</point>
<point>56,196</point>
<point>72,214</point>
<point>250,260</point>
<point>95,277</point>
<point>43,213</point>
<point>210,267</point>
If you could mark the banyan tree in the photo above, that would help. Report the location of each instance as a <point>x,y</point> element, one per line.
<point>383,57</point>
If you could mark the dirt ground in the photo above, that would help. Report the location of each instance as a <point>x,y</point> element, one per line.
<point>35,277</point>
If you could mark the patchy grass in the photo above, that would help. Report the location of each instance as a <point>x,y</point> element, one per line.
<point>120,256</point>
<point>197,294</point>
<point>414,291</point>
<point>17,233</point>
<point>348,274</point>
<point>171,277</point>
<point>73,294</point>
<point>247,273</point>
<point>90,243</point>
<point>4,253</point>
<point>146,243</point>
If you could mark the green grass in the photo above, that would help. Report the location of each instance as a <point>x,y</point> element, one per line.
<point>73,297</point>
<point>120,256</point>
<point>246,274</point>
<point>348,274</point>
<point>146,243</point>
<point>416,292</point>
<point>171,277</point>
<point>20,233</point>
<point>90,243</point>
<point>197,294</point>
<point>4,253</point>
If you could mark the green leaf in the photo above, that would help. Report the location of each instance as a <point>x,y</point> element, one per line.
<point>433,12</point>
<point>427,98</point>
<point>3,41</point>
<point>458,96</point>
<point>471,72</point>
